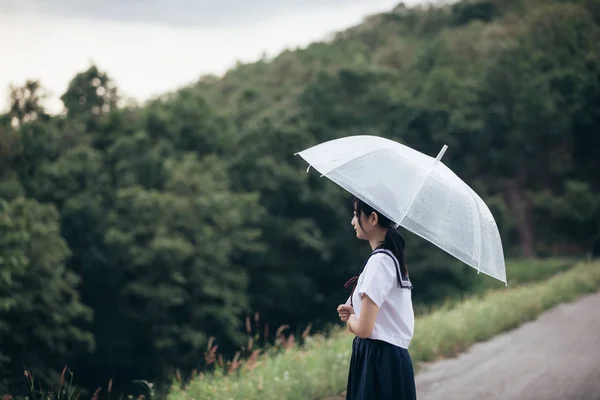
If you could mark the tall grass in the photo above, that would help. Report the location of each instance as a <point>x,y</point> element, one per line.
<point>320,368</point>
<point>65,389</point>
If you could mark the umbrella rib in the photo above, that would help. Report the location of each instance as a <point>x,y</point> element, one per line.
<point>473,194</point>
<point>412,200</point>
<point>478,226</point>
<point>354,159</point>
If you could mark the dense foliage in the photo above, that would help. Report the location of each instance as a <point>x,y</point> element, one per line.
<point>129,235</point>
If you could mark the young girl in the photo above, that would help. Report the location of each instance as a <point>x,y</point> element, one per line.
<point>380,313</point>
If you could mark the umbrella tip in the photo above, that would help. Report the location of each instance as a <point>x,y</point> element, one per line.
<point>441,153</point>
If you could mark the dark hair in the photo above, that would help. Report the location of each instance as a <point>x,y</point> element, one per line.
<point>393,241</point>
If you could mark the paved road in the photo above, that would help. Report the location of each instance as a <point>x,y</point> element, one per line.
<point>556,357</point>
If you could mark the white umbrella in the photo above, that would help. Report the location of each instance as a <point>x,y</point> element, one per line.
<point>415,191</point>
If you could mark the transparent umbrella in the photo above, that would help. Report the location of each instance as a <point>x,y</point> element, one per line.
<point>417,192</point>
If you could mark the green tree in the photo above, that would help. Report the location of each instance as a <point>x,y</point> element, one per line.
<point>572,217</point>
<point>175,253</point>
<point>91,91</point>
<point>42,320</point>
<point>25,103</point>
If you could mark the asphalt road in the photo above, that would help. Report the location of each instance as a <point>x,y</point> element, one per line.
<point>555,357</point>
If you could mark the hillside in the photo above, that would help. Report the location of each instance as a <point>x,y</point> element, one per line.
<point>129,236</point>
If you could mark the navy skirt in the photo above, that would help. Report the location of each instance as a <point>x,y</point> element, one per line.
<point>380,371</point>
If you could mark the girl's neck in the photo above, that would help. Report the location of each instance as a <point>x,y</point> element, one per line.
<point>377,241</point>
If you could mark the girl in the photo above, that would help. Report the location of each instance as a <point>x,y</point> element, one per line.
<point>380,313</point>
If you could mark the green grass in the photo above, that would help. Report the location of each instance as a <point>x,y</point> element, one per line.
<point>523,271</point>
<point>518,272</point>
<point>320,368</point>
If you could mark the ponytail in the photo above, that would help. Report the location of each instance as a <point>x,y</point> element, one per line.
<point>394,242</point>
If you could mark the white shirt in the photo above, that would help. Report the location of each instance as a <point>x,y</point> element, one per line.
<point>395,320</point>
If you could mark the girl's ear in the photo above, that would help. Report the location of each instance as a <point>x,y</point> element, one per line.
<point>374,218</point>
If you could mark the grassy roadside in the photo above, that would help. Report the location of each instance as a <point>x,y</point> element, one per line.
<point>320,369</point>
<point>518,272</point>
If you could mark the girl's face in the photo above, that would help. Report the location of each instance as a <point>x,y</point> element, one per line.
<point>368,225</point>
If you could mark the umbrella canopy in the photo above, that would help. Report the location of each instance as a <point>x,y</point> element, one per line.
<point>417,192</point>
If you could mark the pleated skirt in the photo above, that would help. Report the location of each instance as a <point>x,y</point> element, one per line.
<point>380,371</point>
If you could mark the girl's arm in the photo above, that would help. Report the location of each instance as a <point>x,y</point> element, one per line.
<point>363,327</point>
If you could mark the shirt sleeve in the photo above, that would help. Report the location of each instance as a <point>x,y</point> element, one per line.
<point>379,278</point>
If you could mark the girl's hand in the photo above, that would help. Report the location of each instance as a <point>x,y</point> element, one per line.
<point>344,311</point>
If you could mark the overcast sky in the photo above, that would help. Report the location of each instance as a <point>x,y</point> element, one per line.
<point>149,47</point>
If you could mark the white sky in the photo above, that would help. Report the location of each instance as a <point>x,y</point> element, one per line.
<point>146,58</point>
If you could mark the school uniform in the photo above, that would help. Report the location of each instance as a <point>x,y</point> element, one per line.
<point>381,367</point>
